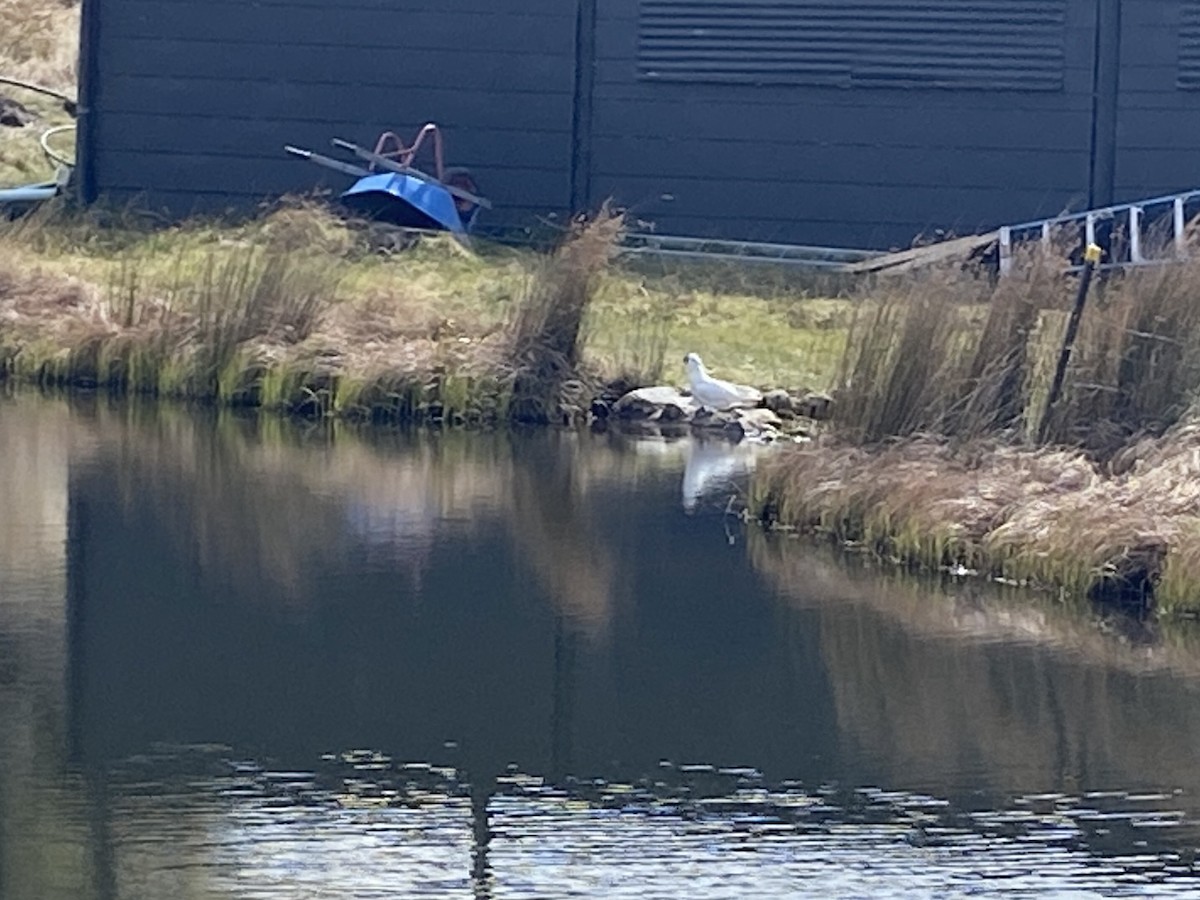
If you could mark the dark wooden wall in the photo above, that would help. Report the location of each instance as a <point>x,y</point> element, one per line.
<point>842,166</point>
<point>191,102</point>
<point>1158,109</point>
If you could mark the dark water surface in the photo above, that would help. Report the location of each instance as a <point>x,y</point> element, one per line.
<point>242,658</point>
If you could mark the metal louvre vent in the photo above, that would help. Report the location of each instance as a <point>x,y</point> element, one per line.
<point>1189,46</point>
<point>982,44</point>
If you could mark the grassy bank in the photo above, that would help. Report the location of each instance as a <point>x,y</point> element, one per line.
<point>932,461</point>
<point>301,310</point>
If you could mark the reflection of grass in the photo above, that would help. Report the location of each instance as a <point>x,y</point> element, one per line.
<point>816,575</point>
<point>930,676</point>
<point>267,504</point>
<point>34,522</point>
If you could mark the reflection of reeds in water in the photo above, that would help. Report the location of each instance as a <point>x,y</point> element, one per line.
<point>554,534</point>
<point>1009,689</point>
<point>266,506</point>
<point>37,444</point>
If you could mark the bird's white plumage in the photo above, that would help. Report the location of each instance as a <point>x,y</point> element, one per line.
<point>715,393</point>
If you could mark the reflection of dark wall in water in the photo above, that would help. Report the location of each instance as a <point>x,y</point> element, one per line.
<point>929,711</point>
<point>694,667</point>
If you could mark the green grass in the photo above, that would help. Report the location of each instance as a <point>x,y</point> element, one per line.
<point>299,309</point>
<point>429,306</point>
<point>775,341</point>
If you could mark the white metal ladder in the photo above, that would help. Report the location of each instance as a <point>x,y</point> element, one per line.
<point>1132,222</point>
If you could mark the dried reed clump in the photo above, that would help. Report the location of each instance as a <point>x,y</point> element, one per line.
<point>544,335</point>
<point>1138,365</point>
<point>942,351</point>
<point>942,388</point>
<point>40,42</point>
<point>946,352</point>
<point>177,331</point>
<point>288,311</point>
<point>1046,516</point>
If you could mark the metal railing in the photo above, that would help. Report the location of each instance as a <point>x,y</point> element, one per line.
<point>718,250</point>
<point>1125,231</point>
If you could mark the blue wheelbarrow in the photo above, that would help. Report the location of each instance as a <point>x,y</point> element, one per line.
<point>391,189</point>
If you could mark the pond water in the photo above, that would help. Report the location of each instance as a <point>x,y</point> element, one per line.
<point>251,659</point>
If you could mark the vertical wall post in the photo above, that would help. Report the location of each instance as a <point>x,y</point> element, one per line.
<point>1105,85</point>
<point>581,120</point>
<point>85,100</point>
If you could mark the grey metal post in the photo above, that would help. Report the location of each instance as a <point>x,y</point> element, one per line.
<point>1090,258</point>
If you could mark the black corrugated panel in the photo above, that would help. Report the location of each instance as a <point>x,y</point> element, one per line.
<point>996,44</point>
<point>1189,46</point>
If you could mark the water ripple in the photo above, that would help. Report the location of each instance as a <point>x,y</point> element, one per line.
<point>358,825</point>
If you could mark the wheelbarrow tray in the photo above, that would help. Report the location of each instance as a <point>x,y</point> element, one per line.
<point>404,200</point>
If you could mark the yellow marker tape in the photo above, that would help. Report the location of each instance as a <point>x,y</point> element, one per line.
<point>1093,253</point>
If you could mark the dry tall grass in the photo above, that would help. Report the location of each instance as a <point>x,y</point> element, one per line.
<point>275,314</point>
<point>943,385</point>
<point>39,42</point>
<point>544,337</point>
<point>1051,517</point>
<point>950,353</point>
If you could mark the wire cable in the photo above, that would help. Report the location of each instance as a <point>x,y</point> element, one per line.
<point>69,103</point>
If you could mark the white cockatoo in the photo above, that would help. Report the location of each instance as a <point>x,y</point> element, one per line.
<point>715,393</point>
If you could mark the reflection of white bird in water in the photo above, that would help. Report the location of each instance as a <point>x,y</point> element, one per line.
<point>715,393</point>
<point>712,466</point>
